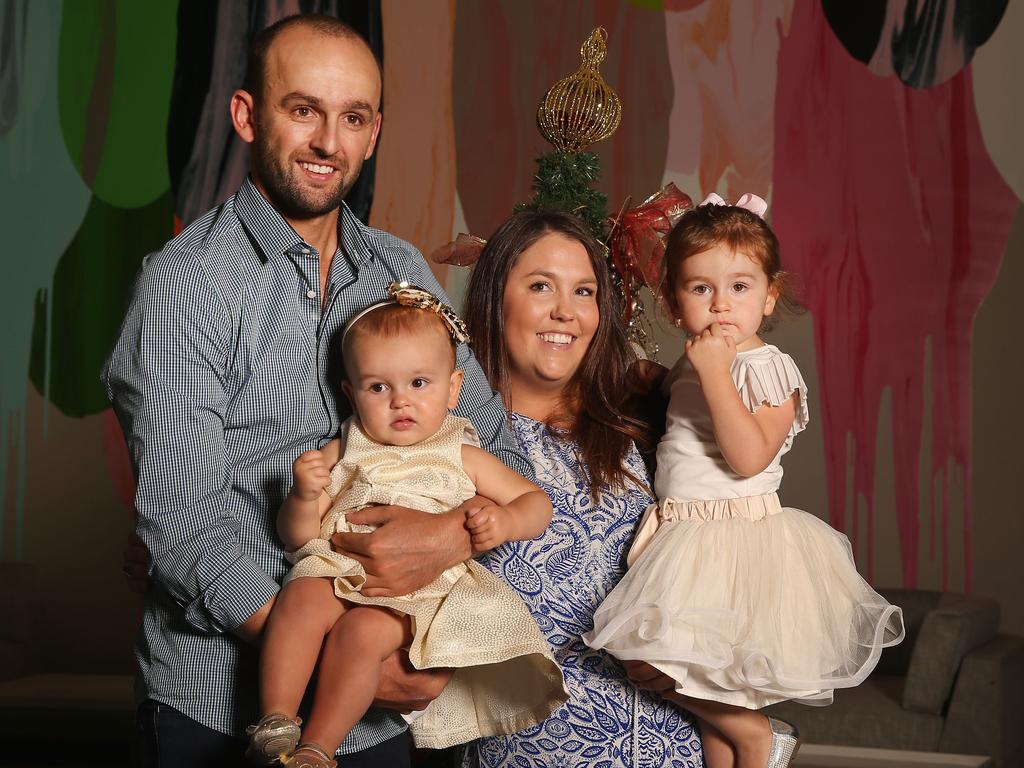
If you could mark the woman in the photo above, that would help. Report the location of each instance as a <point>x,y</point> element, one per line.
<point>542,311</point>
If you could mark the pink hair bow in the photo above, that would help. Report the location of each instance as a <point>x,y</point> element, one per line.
<point>748,201</point>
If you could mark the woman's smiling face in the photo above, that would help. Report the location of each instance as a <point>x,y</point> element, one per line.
<point>550,314</point>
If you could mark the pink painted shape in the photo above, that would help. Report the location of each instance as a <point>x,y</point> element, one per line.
<point>723,63</point>
<point>118,464</point>
<point>890,210</point>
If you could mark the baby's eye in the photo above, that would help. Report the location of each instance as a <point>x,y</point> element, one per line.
<point>700,290</point>
<point>740,287</point>
<point>419,383</point>
<point>377,387</point>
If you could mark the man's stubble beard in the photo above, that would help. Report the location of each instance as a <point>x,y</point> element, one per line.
<point>286,191</point>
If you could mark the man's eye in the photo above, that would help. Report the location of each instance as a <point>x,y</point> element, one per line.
<point>353,119</point>
<point>303,112</point>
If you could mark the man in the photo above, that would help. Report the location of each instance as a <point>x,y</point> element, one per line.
<point>220,379</point>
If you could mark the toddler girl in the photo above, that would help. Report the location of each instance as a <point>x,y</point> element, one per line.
<point>401,447</point>
<point>742,602</point>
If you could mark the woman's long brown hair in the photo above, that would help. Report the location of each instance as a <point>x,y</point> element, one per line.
<point>594,403</point>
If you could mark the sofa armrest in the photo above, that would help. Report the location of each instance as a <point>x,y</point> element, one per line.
<point>955,627</point>
<point>987,707</point>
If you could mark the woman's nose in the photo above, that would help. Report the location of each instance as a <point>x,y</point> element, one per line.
<point>562,309</point>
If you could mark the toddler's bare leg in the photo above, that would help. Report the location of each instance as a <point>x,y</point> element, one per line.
<point>716,749</point>
<point>350,671</point>
<point>746,730</point>
<point>304,613</point>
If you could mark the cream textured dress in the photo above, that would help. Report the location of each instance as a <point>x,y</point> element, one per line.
<point>739,599</point>
<point>506,677</point>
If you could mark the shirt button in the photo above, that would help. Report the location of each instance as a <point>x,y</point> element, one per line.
<point>305,250</point>
<point>311,294</point>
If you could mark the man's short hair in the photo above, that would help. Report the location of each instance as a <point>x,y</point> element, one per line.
<point>329,26</point>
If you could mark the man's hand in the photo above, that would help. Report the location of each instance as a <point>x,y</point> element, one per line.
<point>409,548</point>
<point>135,565</point>
<point>311,476</point>
<point>488,526</point>
<point>404,688</point>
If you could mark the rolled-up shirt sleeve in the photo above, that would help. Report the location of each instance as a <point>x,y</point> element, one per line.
<point>166,381</point>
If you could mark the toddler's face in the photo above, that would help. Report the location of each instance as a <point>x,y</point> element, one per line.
<point>727,287</point>
<point>401,387</point>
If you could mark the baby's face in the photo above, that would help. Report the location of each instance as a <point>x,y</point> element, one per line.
<point>401,387</point>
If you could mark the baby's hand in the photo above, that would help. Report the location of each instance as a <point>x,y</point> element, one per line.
<point>311,476</point>
<point>712,349</point>
<point>488,527</point>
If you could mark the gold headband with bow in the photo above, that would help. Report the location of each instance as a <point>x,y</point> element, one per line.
<point>408,295</point>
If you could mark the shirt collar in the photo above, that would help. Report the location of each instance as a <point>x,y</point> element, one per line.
<point>275,236</point>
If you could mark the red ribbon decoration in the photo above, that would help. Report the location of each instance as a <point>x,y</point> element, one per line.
<point>636,242</point>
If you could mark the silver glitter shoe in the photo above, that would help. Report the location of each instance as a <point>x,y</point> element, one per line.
<point>785,743</point>
<point>273,737</point>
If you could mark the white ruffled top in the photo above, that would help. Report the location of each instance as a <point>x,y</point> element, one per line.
<point>690,465</point>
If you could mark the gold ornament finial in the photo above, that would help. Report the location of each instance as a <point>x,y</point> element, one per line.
<point>581,109</point>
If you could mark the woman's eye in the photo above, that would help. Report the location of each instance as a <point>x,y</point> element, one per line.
<point>419,383</point>
<point>539,287</point>
<point>585,292</point>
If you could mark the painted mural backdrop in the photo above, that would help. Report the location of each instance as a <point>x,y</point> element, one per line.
<point>890,187</point>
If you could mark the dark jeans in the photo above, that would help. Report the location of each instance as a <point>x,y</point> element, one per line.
<point>169,739</point>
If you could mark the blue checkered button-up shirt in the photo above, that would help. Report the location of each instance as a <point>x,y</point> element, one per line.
<point>223,374</point>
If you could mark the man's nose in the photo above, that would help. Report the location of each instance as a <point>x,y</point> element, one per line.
<point>325,139</point>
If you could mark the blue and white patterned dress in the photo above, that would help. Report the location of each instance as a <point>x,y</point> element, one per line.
<point>563,576</point>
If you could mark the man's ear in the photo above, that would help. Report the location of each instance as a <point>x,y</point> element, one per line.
<point>376,133</point>
<point>243,115</point>
<point>454,387</point>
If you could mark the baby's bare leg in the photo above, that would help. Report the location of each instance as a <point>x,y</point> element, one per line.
<point>305,611</point>
<point>350,671</point>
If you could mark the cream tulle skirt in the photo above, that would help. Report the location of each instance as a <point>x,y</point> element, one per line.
<point>745,602</point>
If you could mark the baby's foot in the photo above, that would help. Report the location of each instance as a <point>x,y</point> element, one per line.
<point>308,756</point>
<point>272,738</point>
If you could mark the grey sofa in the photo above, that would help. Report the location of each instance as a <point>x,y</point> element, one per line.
<point>954,685</point>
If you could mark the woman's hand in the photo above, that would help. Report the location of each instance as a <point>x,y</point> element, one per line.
<point>406,689</point>
<point>408,549</point>
<point>648,678</point>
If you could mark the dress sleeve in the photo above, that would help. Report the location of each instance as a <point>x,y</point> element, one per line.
<point>773,380</point>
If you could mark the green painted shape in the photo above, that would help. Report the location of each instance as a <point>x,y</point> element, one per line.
<point>130,120</point>
<point>80,318</point>
<point>649,5</point>
<point>42,202</point>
